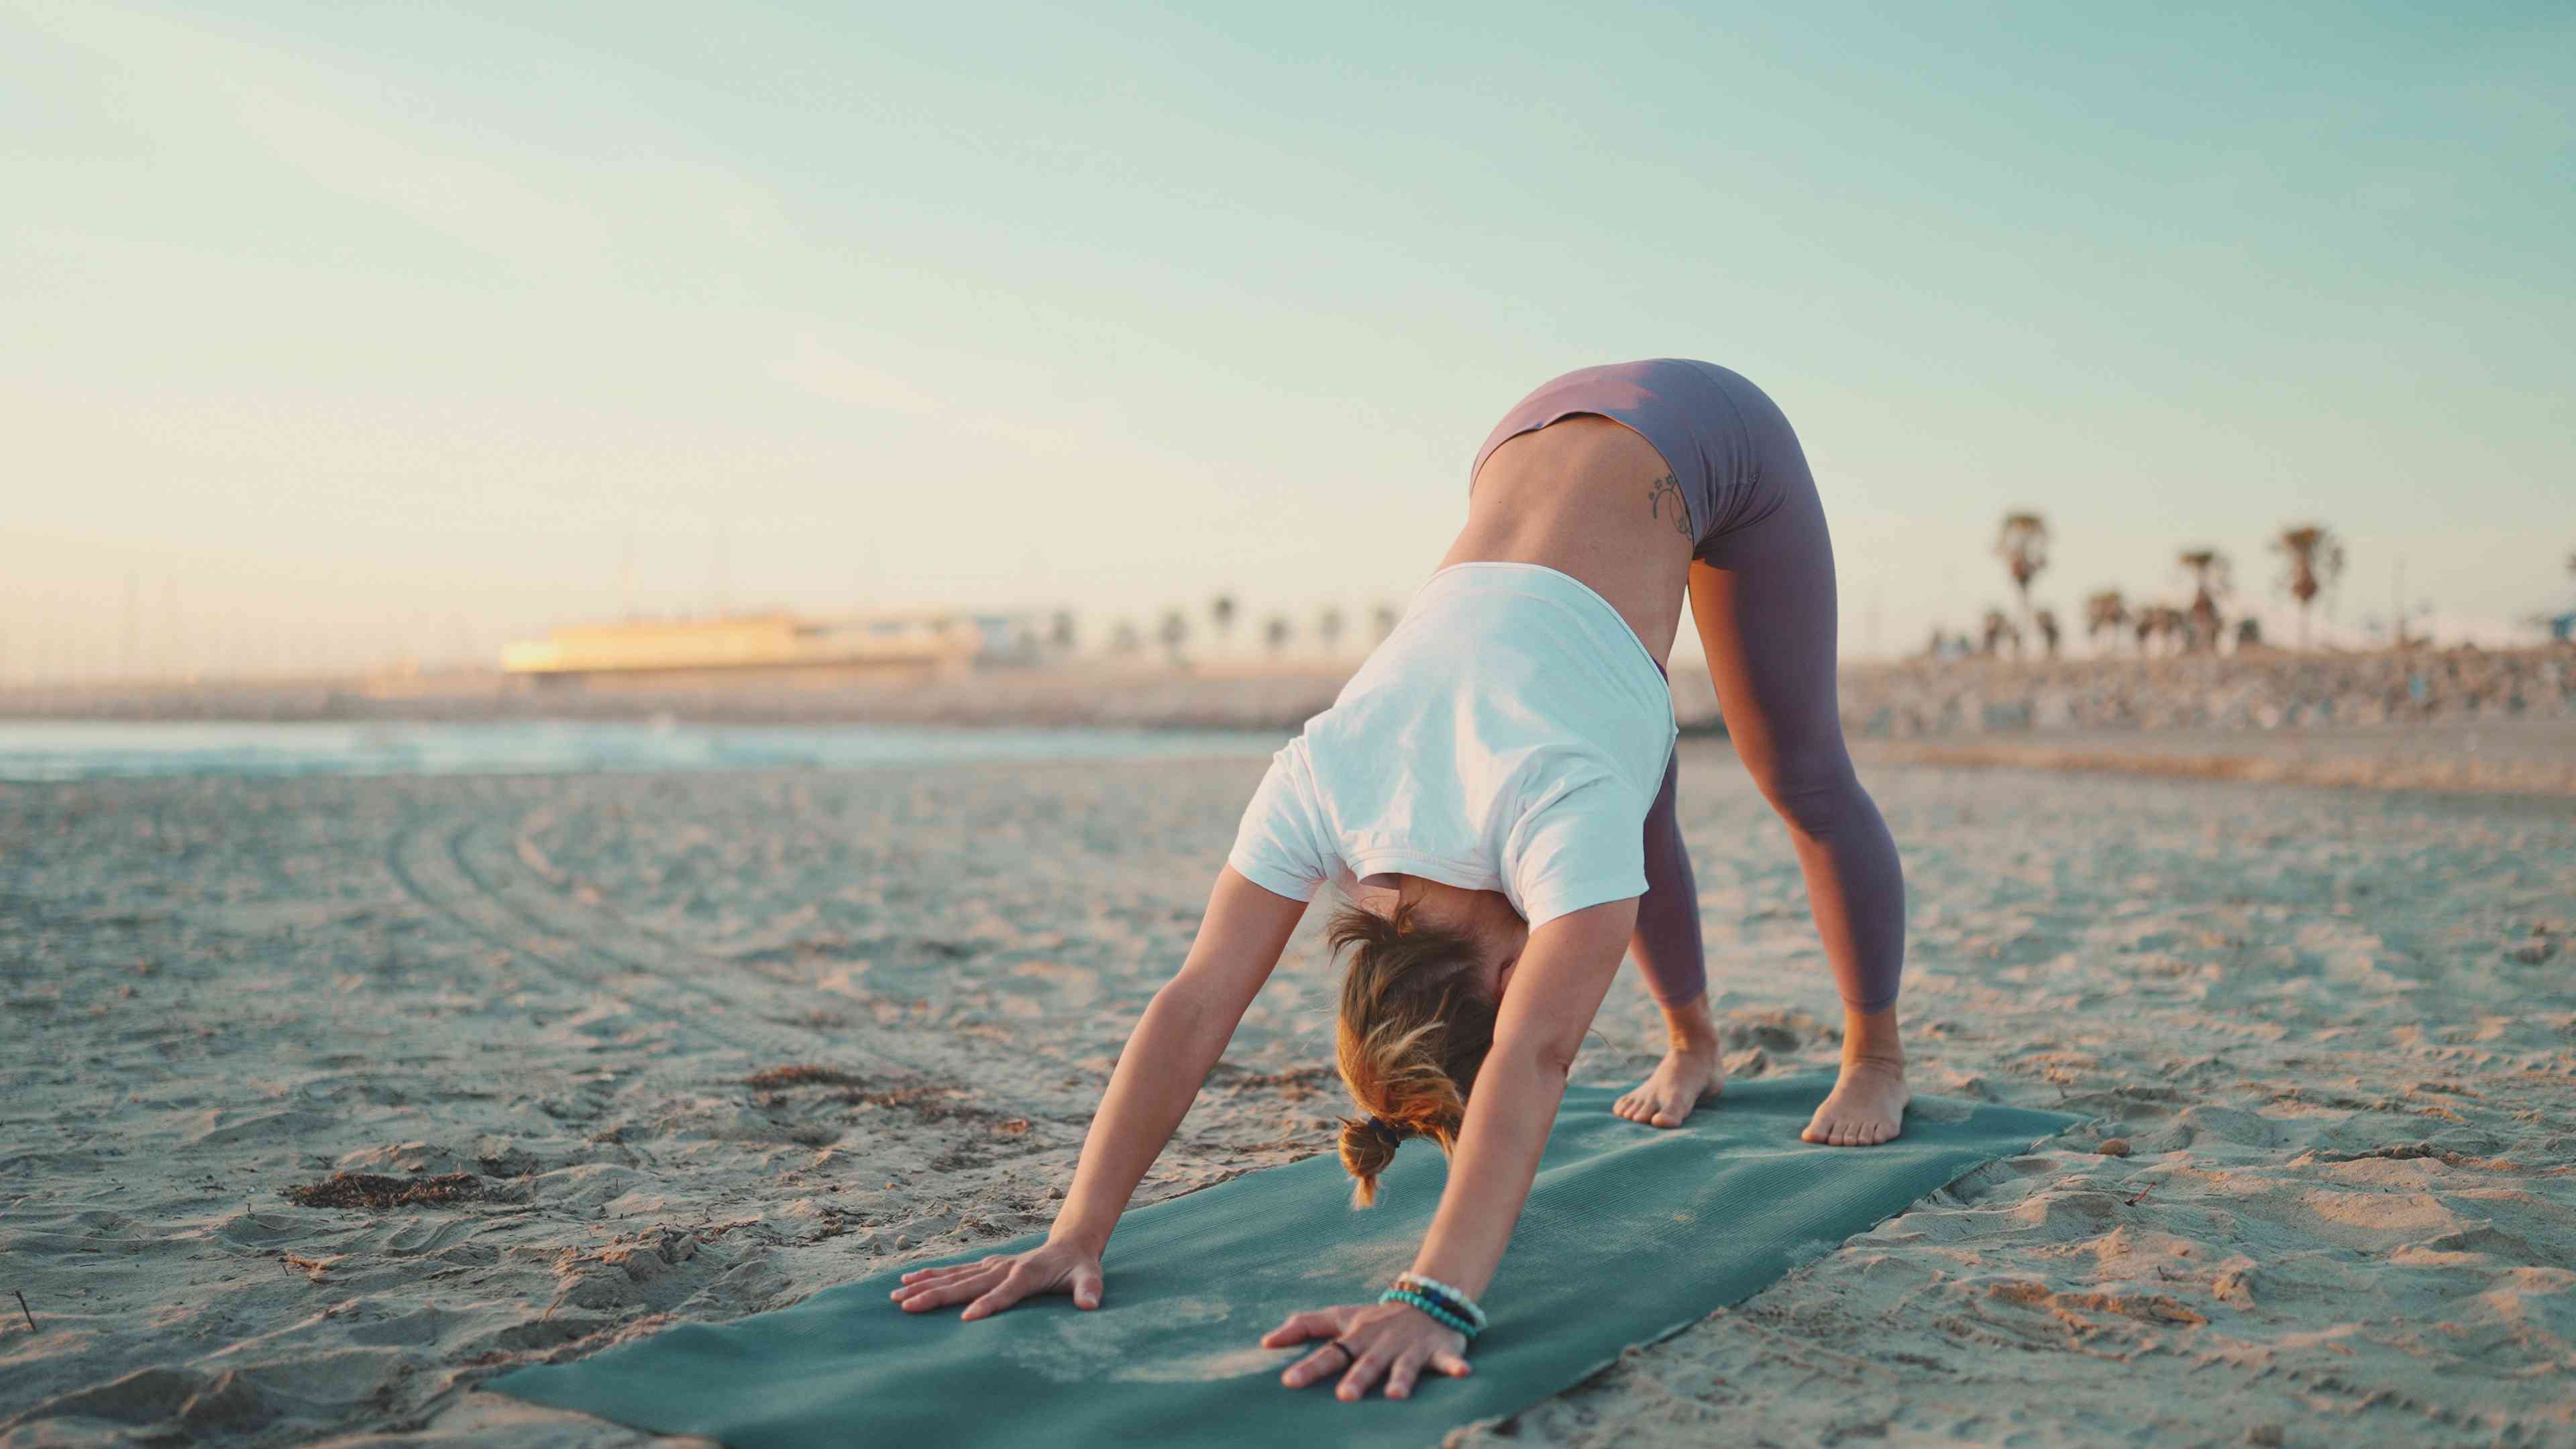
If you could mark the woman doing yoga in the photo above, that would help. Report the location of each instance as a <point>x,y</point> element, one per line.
<point>1492,793</point>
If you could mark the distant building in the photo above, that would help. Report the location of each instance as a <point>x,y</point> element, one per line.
<point>937,641</point>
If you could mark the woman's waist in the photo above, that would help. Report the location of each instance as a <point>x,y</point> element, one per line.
<point>1547,614</point>
<point>1643,601</point>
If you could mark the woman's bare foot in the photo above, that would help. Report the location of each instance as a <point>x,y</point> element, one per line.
<point>1867,1104</point>
<point>1689,1074</point>
<point>1686,1077</point>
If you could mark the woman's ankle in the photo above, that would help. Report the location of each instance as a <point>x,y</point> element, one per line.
<point>1872,1036</point>
<point>1690,1027</point>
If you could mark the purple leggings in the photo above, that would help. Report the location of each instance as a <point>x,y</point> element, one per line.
<point>1762,590</point>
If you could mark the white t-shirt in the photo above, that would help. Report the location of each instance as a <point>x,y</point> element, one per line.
<point>1508,735</point>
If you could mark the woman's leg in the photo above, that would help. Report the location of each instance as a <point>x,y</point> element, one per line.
<point>1764,601</point>
<point>1667,947</point>
<point>1667,944</point>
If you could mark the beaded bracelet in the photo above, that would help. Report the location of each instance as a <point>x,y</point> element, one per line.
<point>1442,1315</point>
<point>1454,1300</point>
<point>1447,1297</point>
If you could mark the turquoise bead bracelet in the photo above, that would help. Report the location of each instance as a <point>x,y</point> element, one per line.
<point>1441,1293</point>
<point>1442,1315</point>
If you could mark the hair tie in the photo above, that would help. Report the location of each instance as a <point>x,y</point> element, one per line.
<point>1383,1128</point>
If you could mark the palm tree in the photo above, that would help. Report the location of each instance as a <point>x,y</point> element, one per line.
<point>2210,580</point>
<point>2160,621</point>
<point>1124,639</point>
<point>1274,633</point>
<point>1175,632</point>
<point>2314,559</point>
<point>1328,627</point>
<point>2106,610</point>
<point>1221,613</point>
<point>2022,543</point>
<point>1060,636</point>
<point>1384,618</point>
<point>1999,628</point>
<point>2048,630</point>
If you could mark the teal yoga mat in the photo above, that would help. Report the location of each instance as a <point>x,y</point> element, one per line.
<point>1631,1233</point>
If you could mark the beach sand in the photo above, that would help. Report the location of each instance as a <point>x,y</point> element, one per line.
<point>616,1051</point>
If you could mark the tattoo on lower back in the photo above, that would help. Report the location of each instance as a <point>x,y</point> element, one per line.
<point>1667,488</point>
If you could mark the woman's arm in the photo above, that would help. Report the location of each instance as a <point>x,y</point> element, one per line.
<point>1564,972</point>
<point>1172,1050</point>
<point>1167,1057</point>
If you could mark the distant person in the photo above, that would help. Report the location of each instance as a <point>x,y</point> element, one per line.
<point>1493,794</point>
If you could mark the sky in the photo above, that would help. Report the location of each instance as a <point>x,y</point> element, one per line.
<point>340,333</point>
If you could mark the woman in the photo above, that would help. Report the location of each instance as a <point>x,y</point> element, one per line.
<point>1477,791</point>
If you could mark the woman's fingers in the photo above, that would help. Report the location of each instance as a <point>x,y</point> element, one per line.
<point>1014,1286</point>
<point>1368,1347</point>
<point>937,1292</point>
<point>926,1277</point>
<point>1314,1367</point>
<point>987,1261</point>
<point>1364,1372</point>
<point>933,1277</point>
<point>1401,1373</point>
<point>937,1295</point>
<point>1313,1323</point>
<point>944,1268</point>
<point>1001,1280</point>
<point>916,1285</point>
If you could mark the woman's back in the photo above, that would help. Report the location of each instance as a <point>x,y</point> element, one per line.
<point>1579,498</point>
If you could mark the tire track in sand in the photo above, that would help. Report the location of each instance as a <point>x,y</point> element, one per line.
<point>456,869</point>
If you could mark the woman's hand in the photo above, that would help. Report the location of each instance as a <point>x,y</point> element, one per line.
<point>1001,1280</point>
<point>1393,1341</point>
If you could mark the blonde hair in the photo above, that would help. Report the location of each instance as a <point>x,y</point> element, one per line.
<point>1415,1027</point>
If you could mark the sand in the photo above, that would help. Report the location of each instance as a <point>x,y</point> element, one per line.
<point>644,1048</point>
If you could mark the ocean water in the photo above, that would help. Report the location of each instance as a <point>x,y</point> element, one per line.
<point>87,750</point>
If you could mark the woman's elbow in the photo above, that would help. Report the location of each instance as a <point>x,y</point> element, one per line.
<point>1547,1055</point>
<point>1181,999</point>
